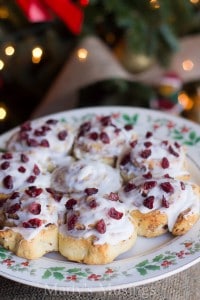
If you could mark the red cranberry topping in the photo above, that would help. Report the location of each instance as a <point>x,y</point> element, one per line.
<point>13,208</point>
<point>106,121</point>
<point>149,184</point>
<point>165,163</point>
<point>21,169</point>
<point>32,223</point>
<point>133,143</point>
<point>39,132</point>
<point>167,187</point>
<point>129,187</point>
<point>165,142</point>
<point>5,165</point>
<point>93,203</point>
<point>117,131</point>
<point>93,136</point>
<point>86,126</point>
<point>172,151</point>
<point>148,202</point>
<point>26,126</point>
<point>166,176</point>
<point>70,203</point>
<point>165,203</point>
<point>44,143</point>
<point>35,208</point>
<point>32,143</point>
<point>145,153</point>
<point>147,175</point>
<point>24,158</point>
<point>147,144</point>
<point>113,213</point>
<point>104,137</point>
<point>52,121</point>
<point>45,128</point>
<point>182,185</point>
<point>113,196</point>
<point>57,196</point>
<point>14,195</point>
<point>7,155</point>
<point>8,182</point>
<point>91,191</point>
<point>23,136</point>
<point>31,179</point>
<point>177,145</point>
<point>125,160</point>
<point>71,221</point>
<point>148,134</point>
<point>62,135</point>
<point>33,191</point>
<point>128,127</point>
<point>101,226</point>
<point>36,170</point>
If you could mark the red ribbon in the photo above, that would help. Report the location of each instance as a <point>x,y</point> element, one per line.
<point>41,10</point>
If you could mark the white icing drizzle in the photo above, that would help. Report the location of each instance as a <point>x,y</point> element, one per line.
<point>116,230</point>
<point>21,178</point>
<point>179,200</point>
<point>79,175</point>
<point>159,149</point>
<point>87,147</point>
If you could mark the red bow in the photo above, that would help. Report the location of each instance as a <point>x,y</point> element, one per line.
<point>43,10</point>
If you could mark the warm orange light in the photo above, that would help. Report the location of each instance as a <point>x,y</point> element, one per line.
<point>3,113</point>
<point>9,50</point>
<point>1,64</point>
<point>37,53</point>
<point>185,101</point>
<point>187,65</point>
<point>82,54</point>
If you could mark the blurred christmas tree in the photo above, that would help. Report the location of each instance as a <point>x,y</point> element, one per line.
<point>32,52</point>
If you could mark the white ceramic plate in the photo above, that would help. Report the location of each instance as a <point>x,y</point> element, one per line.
<point>150,259</point>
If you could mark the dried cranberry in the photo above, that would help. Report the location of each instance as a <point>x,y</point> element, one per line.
<point>129,187</point>
<point>36,170</point>
<point>165,142</point>
<point>106,121</point>
<point>93,136</point>
<point>177,145</point>
<point>5,165</point>
<point>114,214</point>
<point>133,143</point>
<point>172,151</point>
<point>44,143</point>
<point>13,208</point>
<point>86,126</point>
<point>32,143</point>
<point>52,121</point>
<point>91,191</point>
<point>149,184</point>
<point>26,126</point>
<point>7,155</point>
<point>165,203</point>
<point>33,191</point>
<point>167,187</point>
<point>147,175</point>
<point>39,132</point>
<point>128,127</point>
<point>21,169</point>
<point>145,153</point>
<point>14,195</point>
<point>113,196</point>
<point>104,137</point>
<point>92,203</point>
<point>149,134</point>
<point>31,179</point>
<point>182,185</point>
<point>71,221</point>
<point>70,203</point>
<point>101,226</point>
<point>24,158</point>
<point>32,223</point>
<point>8,182</point>
<point>62,135</point>
<point>147,144</point>
<point>117,131</point>
<point>35,208</point>
<point>57,196</point>
<point>148,202</point>
<point>165,163</point>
